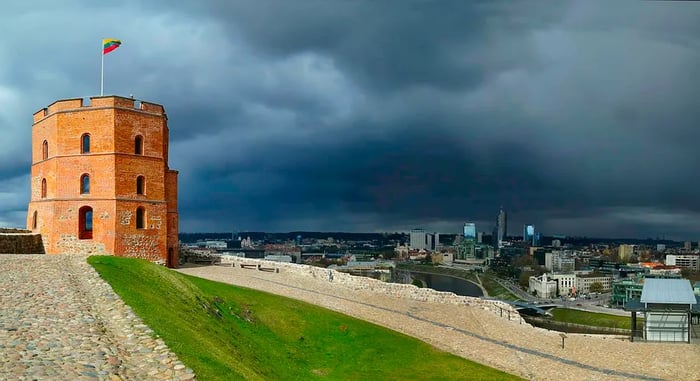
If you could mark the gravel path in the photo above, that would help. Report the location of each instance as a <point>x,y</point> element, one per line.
<point>479,335</point>
<point>60,321</point>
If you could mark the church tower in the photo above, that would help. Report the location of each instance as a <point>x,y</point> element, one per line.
<point>100,180</point>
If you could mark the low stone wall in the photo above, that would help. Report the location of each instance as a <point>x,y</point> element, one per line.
<point>14,230</point>
<point>561,326</point>
<point>398,290</point>
<point>20,242</point>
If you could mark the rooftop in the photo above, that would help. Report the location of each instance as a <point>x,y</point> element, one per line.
<point>669,291</point>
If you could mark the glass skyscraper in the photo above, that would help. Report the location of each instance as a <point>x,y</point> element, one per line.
<point>501,228</point>
<point>529,234</point>
<point>469,230</point>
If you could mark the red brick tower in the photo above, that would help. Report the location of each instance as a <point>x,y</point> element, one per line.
<point>100,180</point>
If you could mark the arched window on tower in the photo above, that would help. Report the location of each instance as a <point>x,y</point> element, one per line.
<point>140,184</point>
<point>85,222</point>
<point>138,145</point>
<point>34,218</point>
<point>43,188</point>
<point>85,143</point>
<point>44,150</point>
<point>85,184</point>
<point>140,218</point>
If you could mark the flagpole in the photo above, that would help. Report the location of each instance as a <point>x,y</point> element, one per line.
<point>102,71</point>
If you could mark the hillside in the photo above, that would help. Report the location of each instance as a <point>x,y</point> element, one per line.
<point>225,332</point>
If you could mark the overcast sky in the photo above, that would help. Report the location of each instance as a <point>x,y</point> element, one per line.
<point>582,118</point>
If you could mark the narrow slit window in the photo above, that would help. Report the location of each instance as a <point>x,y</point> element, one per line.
<point>140,183</point>
<point>43,188</point>
<point>85,184</point>
<point>140,218</point>
<point>85,143</point>
<point>34,218</point>
<point>45,150</point>
<point>138,145</point>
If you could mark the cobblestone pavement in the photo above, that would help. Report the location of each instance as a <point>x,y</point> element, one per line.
<point>479,335</point>
<point>60,321</point>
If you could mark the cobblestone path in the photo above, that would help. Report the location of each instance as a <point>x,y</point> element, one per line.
<point>60,321</point>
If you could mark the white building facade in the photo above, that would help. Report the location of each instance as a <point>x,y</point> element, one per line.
<point>566,283</point>
<point>583,283</point>
<point>542,287</point>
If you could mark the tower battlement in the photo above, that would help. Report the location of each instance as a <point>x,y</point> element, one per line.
<point>98,102</point>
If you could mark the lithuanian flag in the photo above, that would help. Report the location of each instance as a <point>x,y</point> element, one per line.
<point>109,44</point>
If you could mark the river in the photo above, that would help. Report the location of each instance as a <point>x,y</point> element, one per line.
<point>448,283</point>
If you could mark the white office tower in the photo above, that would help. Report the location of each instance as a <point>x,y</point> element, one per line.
<point>417,239</point>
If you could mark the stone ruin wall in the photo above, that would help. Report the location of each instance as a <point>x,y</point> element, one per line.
<point>392,289</point>
<point>15,241</point>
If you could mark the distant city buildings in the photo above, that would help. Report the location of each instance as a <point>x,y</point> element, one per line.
<point>566,283</point>
<point>529,234</point>
<point>685,261</point>
<point>542,287</point>
<point>420,240</point>
<point>625,252</point>
<point>501,228</point>
<point>559,261</point>
<point>466,249</point>
<point>469,230</point>
<point>417,239</point>
<point>585,281</point>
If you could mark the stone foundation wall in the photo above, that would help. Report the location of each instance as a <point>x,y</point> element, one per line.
<point>71,245</point>
<point>20,243</point>
<point>393,289</point>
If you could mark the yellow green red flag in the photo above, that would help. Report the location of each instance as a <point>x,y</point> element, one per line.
<point>109,44</point>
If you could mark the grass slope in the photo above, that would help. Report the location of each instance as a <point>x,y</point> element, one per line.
<point>225,332</point>
<point>593,318</point>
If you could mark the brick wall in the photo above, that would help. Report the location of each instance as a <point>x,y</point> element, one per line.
<point>113,166</point>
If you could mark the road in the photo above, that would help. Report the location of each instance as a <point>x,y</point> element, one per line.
<point>594,304</point>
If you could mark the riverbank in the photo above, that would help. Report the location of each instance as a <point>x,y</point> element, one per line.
<point>454,287</point>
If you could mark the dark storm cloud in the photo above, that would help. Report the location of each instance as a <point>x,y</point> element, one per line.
<point>363,115</point>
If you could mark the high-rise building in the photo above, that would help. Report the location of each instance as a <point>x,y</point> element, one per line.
<point>469,230</point>
<point>466,249</point>
<point>417,239</point>
<point>537,239</point>
<point>625,252</point>
<point>480,237</point>
<point>501,227</point>
<point>686,245</point>
<point>100,179</point>
<point>529,234</point>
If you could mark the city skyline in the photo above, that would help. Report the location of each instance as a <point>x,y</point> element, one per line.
<point>577,118</point>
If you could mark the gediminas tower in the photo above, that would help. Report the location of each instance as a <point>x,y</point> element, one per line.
<point>101,182</point>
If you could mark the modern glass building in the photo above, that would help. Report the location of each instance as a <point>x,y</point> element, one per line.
<point>469,230</point>
<point>501,227</point>
<point>625,290</point>
<point>529,234</point>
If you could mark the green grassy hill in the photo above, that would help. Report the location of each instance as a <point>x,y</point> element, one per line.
<point>593,318</point>
<point>225,332</point>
